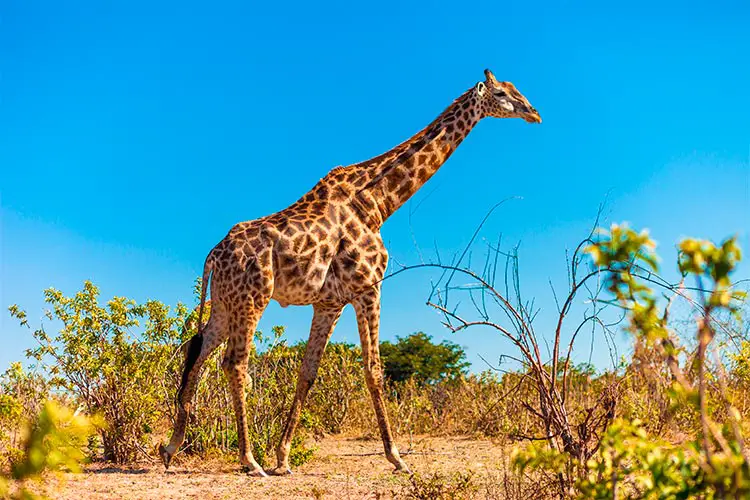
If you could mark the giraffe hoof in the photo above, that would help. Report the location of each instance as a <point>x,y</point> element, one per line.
<point>165,456</point>
<point>282,471</point>
<point>253,471</point>
<point>402,469</point>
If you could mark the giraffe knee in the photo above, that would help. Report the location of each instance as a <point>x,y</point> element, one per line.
<point>233,365</point>
<point>228,363</point>
<point>374,377</point>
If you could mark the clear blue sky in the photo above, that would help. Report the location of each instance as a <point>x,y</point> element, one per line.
<point>133,136</point>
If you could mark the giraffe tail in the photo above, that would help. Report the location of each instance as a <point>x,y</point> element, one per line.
<point>192,348</point>
<point>207,270</point>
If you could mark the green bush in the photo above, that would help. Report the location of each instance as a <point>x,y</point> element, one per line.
<point>98,357</point>
<point>417,357</point>
<point>439,486</point>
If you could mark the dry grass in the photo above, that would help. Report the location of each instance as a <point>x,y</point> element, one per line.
<point>342,468</point>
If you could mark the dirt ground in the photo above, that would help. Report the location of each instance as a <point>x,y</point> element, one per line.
<point>341,468</point>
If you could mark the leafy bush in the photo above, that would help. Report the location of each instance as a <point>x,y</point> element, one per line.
<point>129,373</point>
<point>417,357</point>
<point>97,357</point>
<point>439,486</point>
<point>339,386</point>
<point>22,396</point>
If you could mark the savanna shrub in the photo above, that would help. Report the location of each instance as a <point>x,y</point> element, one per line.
<point>22,396</point>
<point>98,357</point>
<point>630,462</point>
<point>340,384</point>
<point>123,362</point>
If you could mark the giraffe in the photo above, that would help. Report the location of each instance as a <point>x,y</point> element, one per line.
<point>324,250</point>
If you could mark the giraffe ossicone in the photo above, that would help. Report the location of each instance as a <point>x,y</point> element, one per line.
<point>324,250</point>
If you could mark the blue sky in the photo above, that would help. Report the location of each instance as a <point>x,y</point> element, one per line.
<point>134,135</point>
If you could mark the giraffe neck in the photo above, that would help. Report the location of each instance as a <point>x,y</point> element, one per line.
<point>393,177</point>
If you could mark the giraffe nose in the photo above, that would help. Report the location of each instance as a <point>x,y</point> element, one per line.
<point>533,116</point>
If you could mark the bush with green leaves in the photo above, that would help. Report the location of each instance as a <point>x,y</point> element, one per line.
<point>114,368</point>
<point>437,486</point>
<point>22,396</point>
<point>123,362</point>
<point>339,386</point>
<point>417,357</point>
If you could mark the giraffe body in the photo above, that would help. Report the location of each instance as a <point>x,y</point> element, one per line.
<point>324,250</point>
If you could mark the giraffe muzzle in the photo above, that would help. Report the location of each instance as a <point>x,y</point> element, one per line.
<point>533,117</point>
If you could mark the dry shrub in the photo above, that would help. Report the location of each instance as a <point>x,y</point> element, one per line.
<point>439,486</point>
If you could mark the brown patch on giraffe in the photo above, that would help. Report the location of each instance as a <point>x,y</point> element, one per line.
<point>326,252</point>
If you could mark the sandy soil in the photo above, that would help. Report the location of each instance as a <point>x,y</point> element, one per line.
<point>341,468</point>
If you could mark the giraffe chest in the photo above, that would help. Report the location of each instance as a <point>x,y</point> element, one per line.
<point>356,268</point>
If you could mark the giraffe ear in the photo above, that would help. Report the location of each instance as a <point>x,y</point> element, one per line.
<point>481,88</point>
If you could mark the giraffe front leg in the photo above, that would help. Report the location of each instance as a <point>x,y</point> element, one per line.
<point>323,323</point>
<point>367,307</point>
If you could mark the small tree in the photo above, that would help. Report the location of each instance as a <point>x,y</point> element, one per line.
<point>417,357</point>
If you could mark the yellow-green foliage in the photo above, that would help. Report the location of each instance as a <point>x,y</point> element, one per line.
<point>22,396</point>
<point>98,357</point>
<point>439,486</point>
<point>56,440</point>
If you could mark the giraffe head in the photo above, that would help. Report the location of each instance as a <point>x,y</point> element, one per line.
<point>502,100</point>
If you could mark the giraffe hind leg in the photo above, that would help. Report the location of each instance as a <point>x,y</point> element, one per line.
<point>197,350</point>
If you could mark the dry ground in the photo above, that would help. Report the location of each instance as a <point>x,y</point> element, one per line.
<point>341,468</point>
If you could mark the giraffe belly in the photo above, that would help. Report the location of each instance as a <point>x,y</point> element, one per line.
<point>333,290</point>
<point>298,282</point>
<point>294,293</point>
